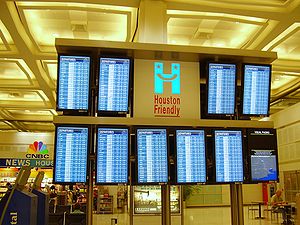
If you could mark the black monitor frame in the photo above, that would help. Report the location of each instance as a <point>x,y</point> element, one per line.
<point>88,151</point>
<point>243,89</point>
<point>128,155</point>
<point>137,158</point>
<point>107,113</point>
<point>175,154</point>
<point>76,112</point>
<point>206,71</point>
<point>215,158</point>
<point>250,178</point>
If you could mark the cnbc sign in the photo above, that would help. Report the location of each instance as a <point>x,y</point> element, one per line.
<point>37,155</point>
<point>37,150</point>
<point>166,102</point>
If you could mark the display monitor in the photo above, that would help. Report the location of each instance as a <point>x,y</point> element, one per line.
<point>262,144</point>
<point>73,83</point>
<point>71,150</point>
<point>152,155</point>
<point>114,84</point>
<point>229,156</point>
<point>256,89</point>
<point>190,156</point>
<point>221,83</point>
<point>112,155</point>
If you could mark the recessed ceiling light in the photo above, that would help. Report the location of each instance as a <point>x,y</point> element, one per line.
<point>220,45</point>
<point>291,73</point>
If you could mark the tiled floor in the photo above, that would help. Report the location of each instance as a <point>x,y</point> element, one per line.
<point>192,216</point>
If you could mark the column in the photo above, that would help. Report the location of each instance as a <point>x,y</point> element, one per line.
<point>152,22</point>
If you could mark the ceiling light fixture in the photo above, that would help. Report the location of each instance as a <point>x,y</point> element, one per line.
<point>292,73</point>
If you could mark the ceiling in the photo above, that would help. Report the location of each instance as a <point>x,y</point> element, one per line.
<point>28,30</point>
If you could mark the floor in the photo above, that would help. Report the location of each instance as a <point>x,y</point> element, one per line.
<point>192,216</point>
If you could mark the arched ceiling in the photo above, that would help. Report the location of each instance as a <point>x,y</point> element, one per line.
<point>28,30</point>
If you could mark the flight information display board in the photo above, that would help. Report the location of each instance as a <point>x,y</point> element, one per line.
<point>114,79</point>
<point>191,162</point>
<point>112,155</point>
<point>229,156</point>
<point>221,88</point>
<point>71,150</point>
<point>256,91</point>
<point>73,83</point>
<point>264,165</point>
<point>152,154</point>
<point>262,144</point>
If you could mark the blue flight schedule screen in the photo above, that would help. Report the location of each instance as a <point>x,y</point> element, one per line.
<point>256,89</point>
<point>229,156</point>
<point>73,83</point>
<point>264,165</point>
<point>114,84</point>
<point>221,88</point>
<point>71,154</point>
<point>191,164</point>
<point>112,155</point>
<point>152,155</point>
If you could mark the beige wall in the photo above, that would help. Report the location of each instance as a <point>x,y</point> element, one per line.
<point>15,144</point>
<point>252,193</point>
<point>287,123</point>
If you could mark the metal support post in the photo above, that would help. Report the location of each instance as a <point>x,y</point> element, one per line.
<point>165,201</point>
<point>181,206</point>
<point>236,198</point>
<point>131,206</point>
<point>90,195</point>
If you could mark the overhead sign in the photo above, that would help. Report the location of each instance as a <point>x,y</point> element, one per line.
<point>37,155</point>
<point>166,89</point>
<point>26,162</point>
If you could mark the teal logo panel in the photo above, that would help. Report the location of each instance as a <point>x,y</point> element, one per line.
<point>160,78</point>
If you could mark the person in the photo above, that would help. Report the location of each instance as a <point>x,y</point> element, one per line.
<point>53,196</point>
<point>70,197</point>
<point>9,186</point>
<point>53,193</point>
<point>277,203</point>
<point>76,209</point>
